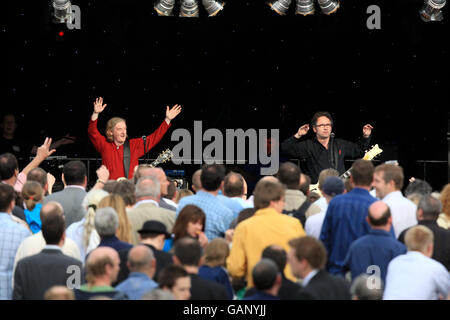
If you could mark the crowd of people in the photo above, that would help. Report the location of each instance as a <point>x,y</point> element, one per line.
<point>145,238</point>
<point>137,235</point>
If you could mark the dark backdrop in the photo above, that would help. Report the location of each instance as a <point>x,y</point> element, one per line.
<point>247,67</point>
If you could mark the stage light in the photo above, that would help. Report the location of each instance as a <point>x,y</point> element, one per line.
<point>328,6</point>
<point>164,7</point>
<point>189,8</point>
<point>62,11</point>
<point>431,10</point>
<point>280,6</point>
<point>305,7</point>
<point>212,7</point>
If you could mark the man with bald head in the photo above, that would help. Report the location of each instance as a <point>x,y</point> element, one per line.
<point>160,175</point>
<point>142,266</point>
<point>147,207</point>
<point>196,182</point>
<point>37,273</point>
<point>378,247</point>
<point>102,268</point>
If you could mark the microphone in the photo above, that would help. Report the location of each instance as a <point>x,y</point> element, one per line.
<point>332,135</point>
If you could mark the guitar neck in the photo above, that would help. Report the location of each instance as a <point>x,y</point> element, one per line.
<point>346,174</point>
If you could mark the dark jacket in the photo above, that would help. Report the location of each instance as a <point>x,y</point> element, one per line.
<point>35,274</point>
<point>324,286</point>
<point>162,260</point>
<point>287,291</point>
<point>203,289</point>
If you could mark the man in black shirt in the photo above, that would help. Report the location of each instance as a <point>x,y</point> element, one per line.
<point>324,151</point>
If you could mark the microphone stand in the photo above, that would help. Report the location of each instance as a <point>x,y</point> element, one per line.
<point>145,149</point>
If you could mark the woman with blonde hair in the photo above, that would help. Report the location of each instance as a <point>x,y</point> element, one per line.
<point>183,193</point>
<point>83,232</point>
<point>115,201</point>
<point>215,256</point>
<point>33,194</point>
<point>444,218</point>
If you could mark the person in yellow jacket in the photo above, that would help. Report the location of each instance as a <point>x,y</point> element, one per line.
<point>268,226</point>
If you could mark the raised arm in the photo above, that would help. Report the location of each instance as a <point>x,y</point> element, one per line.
<point>98,108</point>
<point>42,153</point>
<point>356,150</point>
<point>292,146</point>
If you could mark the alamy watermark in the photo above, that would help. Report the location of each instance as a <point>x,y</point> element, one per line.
<point>221,148</point>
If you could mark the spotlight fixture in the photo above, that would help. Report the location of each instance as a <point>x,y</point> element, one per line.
<point>62,11</point>
<point>431,10</point>
<point>164,7</point>
<point>212,7</point>
<point>304,7</point>
<point>189,8</point>
<point>280,6</point>
<point>328,6</point>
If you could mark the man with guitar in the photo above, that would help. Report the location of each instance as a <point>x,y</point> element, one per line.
<point>324,151</point>
<point>120,155</point>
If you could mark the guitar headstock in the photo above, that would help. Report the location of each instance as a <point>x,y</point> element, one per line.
<point>372,153</point>
<point>164,156</point>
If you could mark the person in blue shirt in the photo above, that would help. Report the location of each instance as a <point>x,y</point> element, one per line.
<point>142,266</point>
<point>345,220</point>
<point>33,194</point>
<point>378,247</point>
<point>267,280</point>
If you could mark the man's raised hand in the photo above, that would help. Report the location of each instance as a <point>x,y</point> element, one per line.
<point>172,113</point>
<point>44,151</point>
<point>367,130</point>
<point>98,105</point>
<point>302,131</point>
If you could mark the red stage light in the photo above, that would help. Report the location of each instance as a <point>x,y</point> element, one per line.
<point>61,33</point>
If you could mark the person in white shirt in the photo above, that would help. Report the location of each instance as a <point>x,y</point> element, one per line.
<point>83,232</point>
<point>388,181</point>
<point>332,187</point>
<point>414,275</point>
<point>322,202</point>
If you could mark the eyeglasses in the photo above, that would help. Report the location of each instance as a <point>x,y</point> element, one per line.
<point>324,125</point>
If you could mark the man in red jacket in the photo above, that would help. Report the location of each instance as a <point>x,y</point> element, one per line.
<point>111,147</point>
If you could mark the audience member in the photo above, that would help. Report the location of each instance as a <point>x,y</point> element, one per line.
<point>160,175</point>
<point>428,211</point>
<point>83,232</point>
<point>345,220</point>
<point>116,202</point>
<point>295,203</point>
<point>125,188</point>
<point>147,207</point>
<point>37,273</point>
<point>74,177</point>
<point>102,268</point>
<point>288,288</point>
<point>378,247</point>
<point>188,254</point>
<point>33,194</point>
<point>190,222</point>
<point>268,226</point>
<point>196,182</point>
<point>106,224</point>
<point>267,280</point>
<point>415,275</point>
<point>46,180</point>
<point>307,258</point>
<point>218,216</point>
<point>444,218</point>
<point>388,182</point>
<point>215,256</point>
<point>152,235</point>
<point>175,280</point>
<point>142,266</point>
<point>171,195</point>
<point>34,244</point>
<point>59,293</point>
<point>331,187</point>
<point>322,202</point>
<point>181,194</point>
<point>305,183</point>
<point>233,193</point>
<point>365,287</point>
<point>416,189</point>
<point>12,234</point>
<point>159,294</point>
